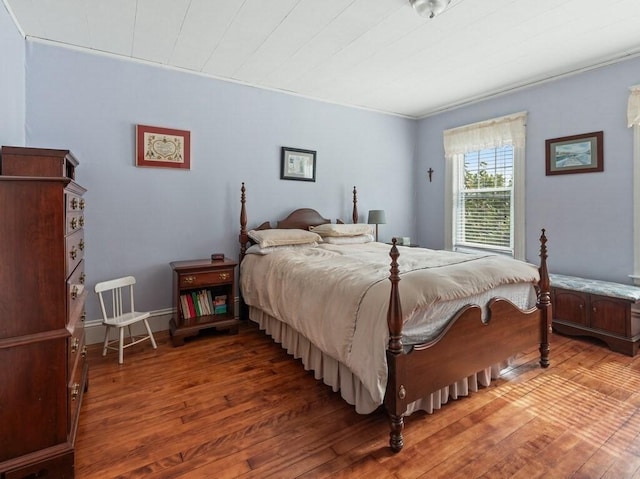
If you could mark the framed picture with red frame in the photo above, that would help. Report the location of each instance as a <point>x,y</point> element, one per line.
<point>163,147</point>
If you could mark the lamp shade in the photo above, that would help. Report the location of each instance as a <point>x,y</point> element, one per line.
<point>377,217</point>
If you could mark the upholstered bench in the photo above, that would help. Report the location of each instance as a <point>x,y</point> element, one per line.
<point>600,309</point>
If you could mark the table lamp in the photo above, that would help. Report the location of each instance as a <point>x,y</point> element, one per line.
<point>377,217</point>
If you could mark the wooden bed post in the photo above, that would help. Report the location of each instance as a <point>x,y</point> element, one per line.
<point>395,388</point>
<point>544,303</point>
<point>243,238</point>
<point>354,213</point>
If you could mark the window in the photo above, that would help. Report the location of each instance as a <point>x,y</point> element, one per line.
<point>484,206</point>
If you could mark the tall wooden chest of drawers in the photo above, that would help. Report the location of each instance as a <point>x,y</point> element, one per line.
<point>43,373</point>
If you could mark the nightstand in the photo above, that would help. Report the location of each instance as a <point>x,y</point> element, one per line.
<point>203,296</point>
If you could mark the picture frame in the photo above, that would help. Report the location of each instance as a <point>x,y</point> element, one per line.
<point>163,147</point>
<point>298,164</point>
<point>575,154</point>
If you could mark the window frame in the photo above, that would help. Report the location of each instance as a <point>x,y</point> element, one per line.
<point>506,130</point>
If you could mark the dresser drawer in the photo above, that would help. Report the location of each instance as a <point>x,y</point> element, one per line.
<point>205,278</point>
<point>75,221</point>
<point>76,347</point>
<point>74,248</point>
<point>75,389</point>
<point>74,203</point>
<point>76,294</point>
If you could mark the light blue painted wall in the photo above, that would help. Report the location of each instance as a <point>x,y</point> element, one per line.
<point>140,219</point>
<point>588,216</point>
<point>12,82</point>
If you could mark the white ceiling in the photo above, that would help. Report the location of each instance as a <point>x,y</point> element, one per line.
<point>375,54</point>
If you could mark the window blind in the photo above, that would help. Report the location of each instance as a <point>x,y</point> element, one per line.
<point>484,206</point>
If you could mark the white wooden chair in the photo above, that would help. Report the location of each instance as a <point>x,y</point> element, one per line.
<point>121,314</point>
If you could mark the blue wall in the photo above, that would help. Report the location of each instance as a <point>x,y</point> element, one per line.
<point>588,216</point>
<point>140,219</point>
<point>12,82</point>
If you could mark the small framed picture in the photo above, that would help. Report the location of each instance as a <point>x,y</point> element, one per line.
<point>575,154</point>
<point>298,164</point>
<point>162,147</point>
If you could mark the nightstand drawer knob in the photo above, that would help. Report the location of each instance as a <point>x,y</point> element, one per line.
<point>224,276</point>
<point>189,279</point>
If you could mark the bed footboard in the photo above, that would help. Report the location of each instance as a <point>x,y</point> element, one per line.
<point>466,346</point>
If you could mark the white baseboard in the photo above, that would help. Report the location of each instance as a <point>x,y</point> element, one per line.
<point>159,321</point>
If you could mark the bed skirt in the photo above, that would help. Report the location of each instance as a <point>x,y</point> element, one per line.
<point>335,374</point>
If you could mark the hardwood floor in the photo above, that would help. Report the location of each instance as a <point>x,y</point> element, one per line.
<point>225,406</point>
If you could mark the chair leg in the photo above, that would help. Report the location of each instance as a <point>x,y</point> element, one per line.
<point>106,339</point>
<point>121,346</point>
<point>153,341</point>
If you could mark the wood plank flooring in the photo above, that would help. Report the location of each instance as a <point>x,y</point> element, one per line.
<point>237,406</point>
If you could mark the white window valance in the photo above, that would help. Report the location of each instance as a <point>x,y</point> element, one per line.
<point>633,107</point>
<point>494,133</point>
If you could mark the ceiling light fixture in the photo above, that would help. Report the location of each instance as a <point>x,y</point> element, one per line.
<point>429,8</point>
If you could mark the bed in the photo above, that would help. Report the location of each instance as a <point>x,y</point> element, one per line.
<point>337,304</point>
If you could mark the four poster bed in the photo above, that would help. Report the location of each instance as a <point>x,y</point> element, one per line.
<point>324,292</point>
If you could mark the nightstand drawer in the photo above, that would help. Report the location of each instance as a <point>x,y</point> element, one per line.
<point>195,280</point>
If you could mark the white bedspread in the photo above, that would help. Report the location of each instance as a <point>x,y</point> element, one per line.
<point>337,296</point>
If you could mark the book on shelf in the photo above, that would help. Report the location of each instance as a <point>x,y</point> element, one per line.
<point>196,306</point>
<point>221,309</point>
<point>202,299</point>
<point>191,308</point>
<point>184,307</point>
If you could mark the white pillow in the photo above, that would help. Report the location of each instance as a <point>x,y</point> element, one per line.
<point>256,249</point>
<point>330,229</point>
<point>281,237</point>
<point>360,239</point>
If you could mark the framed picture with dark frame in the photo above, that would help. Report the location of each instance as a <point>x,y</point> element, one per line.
<point>297,164</point>
<point>575,154</point>
<point>163,147</point>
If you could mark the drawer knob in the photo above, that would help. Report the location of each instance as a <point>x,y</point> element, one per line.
<point>82,204</point>
<point>83,316</point>
<point>189,279</point>
<point>82,278</point>
<point>81,245</point>
<point>73,253</point>
<point>81,221</point>
<point>74,345</point>
<point>74,223</point>
<point>74,203</point>
<point>74,292</point>
<point>84,352</point>
<point>224,276</point>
